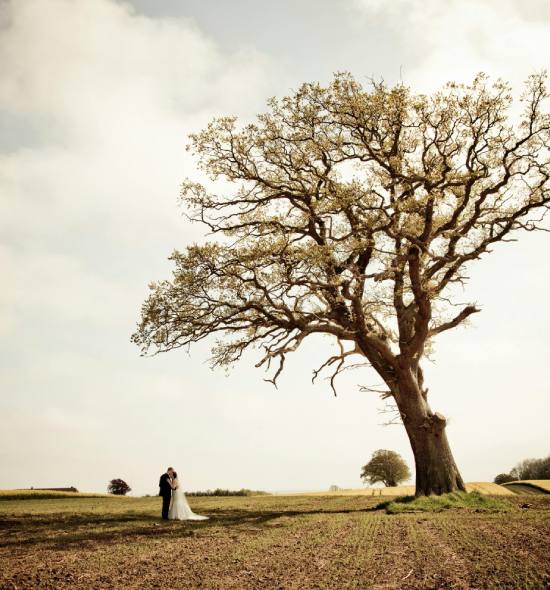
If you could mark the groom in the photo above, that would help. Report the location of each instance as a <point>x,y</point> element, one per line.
<point>165,485</point>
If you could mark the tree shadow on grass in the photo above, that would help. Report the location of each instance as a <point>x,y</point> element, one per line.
<point>58,531</point>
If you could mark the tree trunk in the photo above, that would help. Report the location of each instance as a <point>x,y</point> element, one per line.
<point>436,470</point>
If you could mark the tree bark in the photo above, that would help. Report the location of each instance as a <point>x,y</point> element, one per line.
<point>436,470</point>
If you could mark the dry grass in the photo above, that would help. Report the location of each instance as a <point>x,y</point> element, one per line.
<point>48,494</point>
<point>369,492</point>
<point>487,488</point>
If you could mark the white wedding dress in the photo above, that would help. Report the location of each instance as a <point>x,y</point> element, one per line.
<point>179,507</point>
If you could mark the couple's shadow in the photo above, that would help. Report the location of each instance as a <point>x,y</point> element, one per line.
<point>67,530</point>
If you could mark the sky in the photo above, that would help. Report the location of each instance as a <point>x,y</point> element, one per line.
<point>97,98</point>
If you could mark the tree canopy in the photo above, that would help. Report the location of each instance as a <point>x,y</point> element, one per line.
<point>532,469</point>
<point>526,469</point>
<point>362,252</point>
<point>118,487</point>
<point>387,467</point>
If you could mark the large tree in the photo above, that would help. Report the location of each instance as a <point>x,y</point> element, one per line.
<point>354,212</point>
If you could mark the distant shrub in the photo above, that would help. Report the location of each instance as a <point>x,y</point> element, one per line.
<point>504,478</point>
<point>71,489</point>
<point>220,492</point>
<point>118,487</point>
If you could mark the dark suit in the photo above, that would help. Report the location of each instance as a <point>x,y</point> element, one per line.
<point>166,492</point>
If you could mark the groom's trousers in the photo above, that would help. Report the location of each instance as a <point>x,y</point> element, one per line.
<point>165,505</point>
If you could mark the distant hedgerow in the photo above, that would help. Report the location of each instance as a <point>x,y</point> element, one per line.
<point>220,492</point>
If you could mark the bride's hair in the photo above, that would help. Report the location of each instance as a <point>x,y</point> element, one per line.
<point>175,474</point>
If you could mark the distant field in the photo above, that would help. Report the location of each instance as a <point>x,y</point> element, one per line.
<point>529,486</point>
<point>271,542</point>
<point>45,494</point>
<point>488,488</point>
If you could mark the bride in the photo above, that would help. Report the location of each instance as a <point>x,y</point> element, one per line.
<point>179,507</point>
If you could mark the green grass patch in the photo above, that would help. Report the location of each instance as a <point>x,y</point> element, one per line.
<point>469,500</point>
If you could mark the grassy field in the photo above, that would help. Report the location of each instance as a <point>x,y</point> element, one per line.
<point>529,486</point>
<point>47,495</point>
<point>272,542</point>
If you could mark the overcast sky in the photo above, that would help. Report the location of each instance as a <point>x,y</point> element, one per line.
<point>96,100</point>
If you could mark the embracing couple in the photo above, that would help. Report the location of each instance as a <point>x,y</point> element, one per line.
<point>174,502</point>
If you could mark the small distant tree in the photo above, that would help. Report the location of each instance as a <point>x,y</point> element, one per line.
<point>334,488</point>
<point>387,467</point>
<point>543,471</point>
<point>118,487</point>
<point>504,478</point>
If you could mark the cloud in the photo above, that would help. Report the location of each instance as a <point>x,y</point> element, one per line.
<point>454,40</point>
<point>99,102</point>
<point>96,103</point>
<point>106,98</point>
